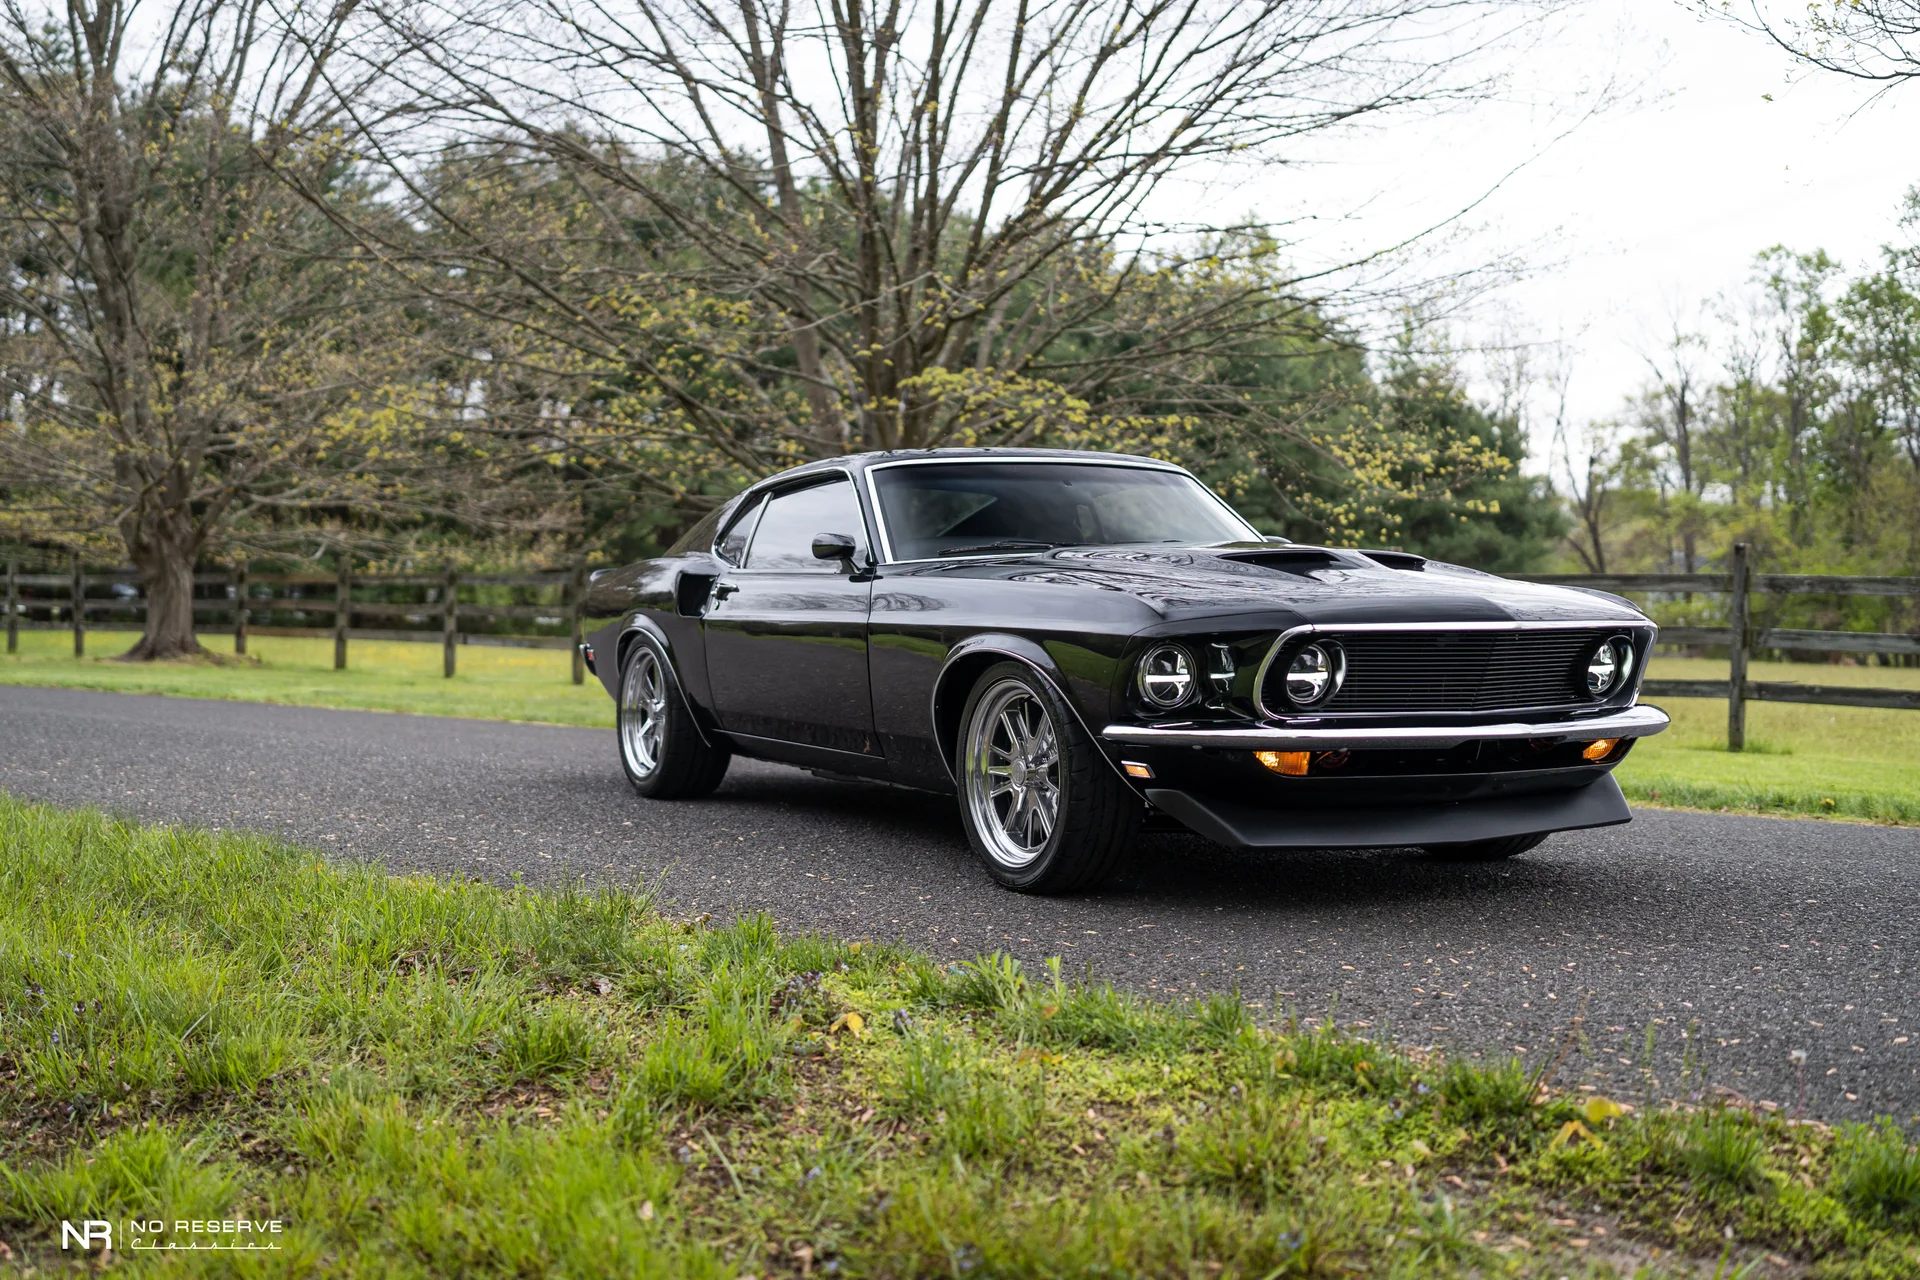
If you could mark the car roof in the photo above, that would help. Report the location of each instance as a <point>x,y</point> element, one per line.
<point>859,463</point>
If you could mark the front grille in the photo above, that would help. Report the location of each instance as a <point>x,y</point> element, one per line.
<point>1391,672</point>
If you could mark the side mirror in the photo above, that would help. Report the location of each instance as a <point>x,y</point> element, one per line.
<point>833,546</point>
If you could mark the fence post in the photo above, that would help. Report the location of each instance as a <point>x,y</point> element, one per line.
<point>1740,620</point>
<point>577,600</point>
<point>13,606</point>
<point>342,614</point>
<point>79,610</point>
<point>450,622</point>
<point>240,608</point>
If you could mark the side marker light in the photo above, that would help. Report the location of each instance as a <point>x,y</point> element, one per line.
<point>1291,763</point>
<point>1600,750</point>
<point>1137,770</point>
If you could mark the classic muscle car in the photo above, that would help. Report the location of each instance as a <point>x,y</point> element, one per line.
<point>1078,645</point>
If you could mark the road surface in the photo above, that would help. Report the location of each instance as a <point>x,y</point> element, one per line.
<point>1731,941</point>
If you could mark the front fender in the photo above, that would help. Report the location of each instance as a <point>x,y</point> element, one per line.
<point>963,666</point>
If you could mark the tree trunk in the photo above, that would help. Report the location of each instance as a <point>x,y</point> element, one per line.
<point>166,574</point>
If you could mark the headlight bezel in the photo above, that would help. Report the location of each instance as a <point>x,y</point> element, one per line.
<point>1152,685</point>
<point>1332,676</point>
<point>1619,651</point>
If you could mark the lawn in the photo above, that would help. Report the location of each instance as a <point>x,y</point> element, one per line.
<point>1858,762</point>
<point>1848,762</point>
<point>494,683</point>
<point>416,1077</point>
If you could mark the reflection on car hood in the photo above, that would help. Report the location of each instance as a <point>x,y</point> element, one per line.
<point>1319,584</point>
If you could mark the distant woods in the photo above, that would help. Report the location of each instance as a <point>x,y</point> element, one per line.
<point>1785,413</point>
<point>459,280</point>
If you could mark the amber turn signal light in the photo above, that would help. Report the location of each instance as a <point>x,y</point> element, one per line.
<point>1291,763</point>
<point>1137,770</point>
<point>1600,750</point>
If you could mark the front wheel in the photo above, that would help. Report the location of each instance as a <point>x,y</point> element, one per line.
<point>1041,806</point>
<point>1485,850</point>
<point>661,749</point>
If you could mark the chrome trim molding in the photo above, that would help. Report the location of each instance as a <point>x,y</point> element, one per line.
<point>1336,629</point>
<point>1633,722</point>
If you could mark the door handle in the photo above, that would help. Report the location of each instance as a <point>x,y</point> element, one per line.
<point>721,590</point>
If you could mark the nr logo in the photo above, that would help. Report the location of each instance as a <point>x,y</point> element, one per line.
<point>89,1233</point>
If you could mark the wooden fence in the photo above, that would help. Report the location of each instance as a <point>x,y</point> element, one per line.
<point>444,607</point>
<point>1741,639</point>
<point>286,604</point>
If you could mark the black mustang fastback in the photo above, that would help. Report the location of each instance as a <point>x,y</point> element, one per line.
<point>1082,644</point>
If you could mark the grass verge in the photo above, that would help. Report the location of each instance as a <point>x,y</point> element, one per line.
<point>494,683</point>
<point>1861,763</point>
<point>426,1077</point>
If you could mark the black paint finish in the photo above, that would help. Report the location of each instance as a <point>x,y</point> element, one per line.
<point>860,666</point>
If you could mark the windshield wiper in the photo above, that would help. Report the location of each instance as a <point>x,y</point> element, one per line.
<point>1005,544</point>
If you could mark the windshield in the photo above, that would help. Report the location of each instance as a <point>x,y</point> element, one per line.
<point>959,508</point>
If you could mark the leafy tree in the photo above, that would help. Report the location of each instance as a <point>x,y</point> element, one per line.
<point>197,360</point>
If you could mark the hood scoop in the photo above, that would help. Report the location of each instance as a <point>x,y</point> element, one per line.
<point>1303,562</point>
<point>1405,560</point>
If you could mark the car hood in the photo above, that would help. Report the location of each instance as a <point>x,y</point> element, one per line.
<point>1321,585</point>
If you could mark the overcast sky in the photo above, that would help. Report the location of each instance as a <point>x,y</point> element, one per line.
<point>1645,209</point>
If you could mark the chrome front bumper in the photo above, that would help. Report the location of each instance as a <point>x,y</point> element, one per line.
<point>1634,722</point>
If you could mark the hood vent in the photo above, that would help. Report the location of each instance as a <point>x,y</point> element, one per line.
<point>1304,562</point>
<point>1398,560</point>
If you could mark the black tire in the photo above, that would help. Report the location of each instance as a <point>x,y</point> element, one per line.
<point>1485,850</point>
<point>661,750</point>
<point>1095,817</point>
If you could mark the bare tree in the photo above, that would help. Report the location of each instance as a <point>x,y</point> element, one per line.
<point>1873,40</point>
<point>188,354</point>
<point>1671,415</point>
<point>878,226</point>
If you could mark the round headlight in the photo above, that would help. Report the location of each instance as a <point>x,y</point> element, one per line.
<point>1315,674</point>
<point>1609,666</point>
<point>1166,676</point>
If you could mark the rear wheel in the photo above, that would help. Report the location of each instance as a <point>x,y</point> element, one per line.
<point>661,749</point>
<point>1041,806</point>
<point>1485,850</point>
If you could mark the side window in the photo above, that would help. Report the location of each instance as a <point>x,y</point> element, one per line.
<point>699,537</point>
<point>732,546</point>
<point>784,539</point>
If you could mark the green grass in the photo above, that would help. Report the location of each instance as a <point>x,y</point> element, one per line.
<point>420,1077</point>
<point>1846,762</point>
<point>494,683</point>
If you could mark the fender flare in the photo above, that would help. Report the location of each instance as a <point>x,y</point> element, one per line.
<point>630,633</point>
<point>948,693</point>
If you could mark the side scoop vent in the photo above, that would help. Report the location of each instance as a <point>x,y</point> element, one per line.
<point>1404,560</point>
<point>1302,563</point>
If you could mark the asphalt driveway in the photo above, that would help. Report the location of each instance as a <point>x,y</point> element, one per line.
<point>1725,942</point>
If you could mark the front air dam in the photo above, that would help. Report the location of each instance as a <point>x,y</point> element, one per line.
<point>1598,804</point>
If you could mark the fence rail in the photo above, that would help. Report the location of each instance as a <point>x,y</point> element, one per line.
<point>439,612</point>
<point>1742,639</point>
<point>61,601</point>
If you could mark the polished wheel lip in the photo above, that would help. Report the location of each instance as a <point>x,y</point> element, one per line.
<point>1012,773</point>
<point>1634,722</point>
<point>643,711</point>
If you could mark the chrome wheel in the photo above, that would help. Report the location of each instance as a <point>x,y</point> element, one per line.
<point>1013,773</point>
<point>643,711</point>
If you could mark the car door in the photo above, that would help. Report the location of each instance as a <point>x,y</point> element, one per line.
<point>786,634</point>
